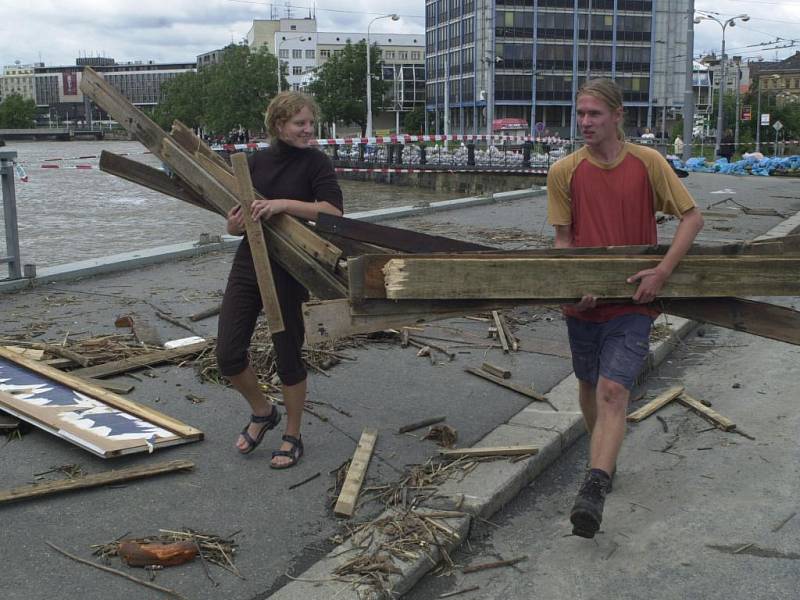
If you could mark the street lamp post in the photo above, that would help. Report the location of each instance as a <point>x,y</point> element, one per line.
<point>393,17</point>
<point>281,43</point>
<point>723,24</point>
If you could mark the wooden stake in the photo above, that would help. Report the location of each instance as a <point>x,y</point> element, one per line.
<point>420,424</point>
<point>512,341</point>
<point>501,333</point>
<point>713,416</point>
<point>493,565</point>
<point>496,371</point>
<point>37,490</point>
<point>520,389</point>
<point>656,404</point>
<point>258,245</point>
<point>489,451</point>
<point>346,504</point>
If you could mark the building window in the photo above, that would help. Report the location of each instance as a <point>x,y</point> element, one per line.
<point>283,53</point>
<point>415,56</point>
<point>402,55</point>
<point>324,53</point>
<point>297,53</point>
<point>293,27</point>
<point>389,55</point>
<point>309,54</point>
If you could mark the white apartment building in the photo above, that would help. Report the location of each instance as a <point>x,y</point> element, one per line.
<point>18,79</point>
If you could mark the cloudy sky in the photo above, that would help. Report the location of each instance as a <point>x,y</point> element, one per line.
<point>56,32</point>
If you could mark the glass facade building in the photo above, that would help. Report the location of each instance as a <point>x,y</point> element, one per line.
<point>493,59</point>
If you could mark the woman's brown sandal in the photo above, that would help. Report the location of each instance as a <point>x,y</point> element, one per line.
<point>270,421</point>
<point>294,454</point>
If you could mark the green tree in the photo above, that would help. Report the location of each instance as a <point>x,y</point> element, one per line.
<point>182,98</point>
<point>340,85</point>
<point>414,121</point>
<point>223,96</point>
<point>239,88</point>
<point>17,112</point>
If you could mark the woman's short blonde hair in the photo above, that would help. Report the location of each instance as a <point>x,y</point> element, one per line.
<point>609,93</point>
<point>284,106</point>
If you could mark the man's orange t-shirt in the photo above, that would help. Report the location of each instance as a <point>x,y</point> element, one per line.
<point>613,204</point>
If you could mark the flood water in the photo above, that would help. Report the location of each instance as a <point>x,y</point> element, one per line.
<point>69,214</point>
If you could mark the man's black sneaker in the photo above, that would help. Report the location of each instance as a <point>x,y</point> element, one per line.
<point>587,512</point>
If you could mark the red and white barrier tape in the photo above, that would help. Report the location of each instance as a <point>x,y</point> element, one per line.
<point>400,139</point>
<point>81,166</point>
<point>94,156</point>
<point>442,170</point>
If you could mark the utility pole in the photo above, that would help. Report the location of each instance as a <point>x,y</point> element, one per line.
<point>737,80</point>
<point>688,93</point>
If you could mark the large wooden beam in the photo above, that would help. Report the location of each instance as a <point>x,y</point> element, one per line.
<point>199,180</point>
<point>455,277</point>
<point>346,504</point>
<point>393,237</point>
<point>258,245</point>
<point>151,178</point>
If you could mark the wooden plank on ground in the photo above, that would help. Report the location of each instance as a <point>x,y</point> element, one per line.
<point>38,490</point>
<point>520,389</point>
<point>501,332</point>
<point>32,353</point>
<point>258,245</point>
<point>137,362</point>
<point>655,404</point>
<point>711,415</point>
<point>117,388</point>
<point>346,503</point>
<point>489,451</point>
<point>420,424</point>
<point>80,385</point>
<point>548,278</point>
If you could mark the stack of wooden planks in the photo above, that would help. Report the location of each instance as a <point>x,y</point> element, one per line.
<point>395,277</point>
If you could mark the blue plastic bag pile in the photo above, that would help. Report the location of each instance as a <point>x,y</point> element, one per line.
<point>747,166</point>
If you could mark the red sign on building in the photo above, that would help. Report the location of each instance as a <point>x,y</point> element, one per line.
<point>747,113</point>
<point>69,79</point>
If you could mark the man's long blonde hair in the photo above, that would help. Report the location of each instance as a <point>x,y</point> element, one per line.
<point>608,92</point>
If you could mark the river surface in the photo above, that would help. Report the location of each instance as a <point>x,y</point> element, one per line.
<point>69,214</point>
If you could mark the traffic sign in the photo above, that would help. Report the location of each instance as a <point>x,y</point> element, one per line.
<point>764,118</point>
<point>539,127</point>
<point>747,113</point>
<point>777,125</point>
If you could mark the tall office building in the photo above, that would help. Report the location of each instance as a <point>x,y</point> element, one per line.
<point>526,59</point>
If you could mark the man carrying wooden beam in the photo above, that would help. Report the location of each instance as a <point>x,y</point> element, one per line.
<point>606,194</point>
<point>300,181</point>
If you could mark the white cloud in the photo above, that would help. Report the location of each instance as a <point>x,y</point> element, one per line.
<point>178,30</point>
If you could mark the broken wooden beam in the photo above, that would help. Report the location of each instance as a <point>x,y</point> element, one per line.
<point>151,178</point>
<point>392,237</point>
<point>137,362</point>
<point>346,504</point>
<point>716,419</point>
<point>655,404</point>
<point>489,451</point>
<point>258,245</point>
<point>38,490</point>
<point>206,313</point>
<point>499,278</point>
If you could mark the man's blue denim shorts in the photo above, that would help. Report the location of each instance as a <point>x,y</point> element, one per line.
<point>616,349</point>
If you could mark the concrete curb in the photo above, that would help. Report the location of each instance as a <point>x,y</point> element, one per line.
<point>485,489</point>
<point>150,256</point>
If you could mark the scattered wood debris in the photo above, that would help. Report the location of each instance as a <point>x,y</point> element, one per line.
<point>212,548</point>
<point>656,404</point>
<point>444,435</point>
<point>490,451</point>
<point>136,553</point>
<point>496,371</point>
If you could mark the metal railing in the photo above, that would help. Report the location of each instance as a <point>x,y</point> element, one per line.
<point>12,258</point>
